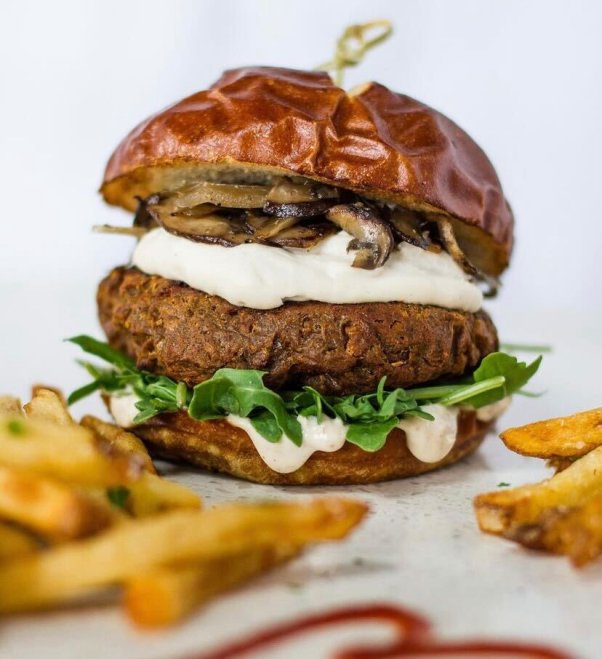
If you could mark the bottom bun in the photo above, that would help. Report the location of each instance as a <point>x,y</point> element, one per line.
<point>218,446</point>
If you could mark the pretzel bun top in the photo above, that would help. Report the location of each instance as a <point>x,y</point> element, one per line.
<point>258,122</point>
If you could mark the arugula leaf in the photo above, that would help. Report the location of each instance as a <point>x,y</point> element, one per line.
<point>369,417</point>
<point>82,392</point>
<point>371,436</point>
<point>493,386</point>
<point>242,392</point>
<point>525,347</point>
<point>102,350</point>
<point>516,374</point>
<point>267,426</point>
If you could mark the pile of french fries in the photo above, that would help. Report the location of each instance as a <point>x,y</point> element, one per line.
<point>82,509</point>
<point>562,514</point>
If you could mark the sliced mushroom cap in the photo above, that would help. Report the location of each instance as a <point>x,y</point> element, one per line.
<point>236,228</point>
<point>409,227</point>
<point>304,236</point>
<point>267,227</point>
<point>304,209</point>
<point>143,217</point>
<point>448,238</point>
<point>492,284</point>
<point>214,229</point>
<point>373,239</point>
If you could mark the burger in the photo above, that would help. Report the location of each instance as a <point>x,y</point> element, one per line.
<point>304,302</point>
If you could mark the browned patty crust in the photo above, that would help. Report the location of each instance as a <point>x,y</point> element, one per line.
<point>171,329</point>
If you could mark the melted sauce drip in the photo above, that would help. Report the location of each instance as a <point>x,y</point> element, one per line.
<point>412,630</point>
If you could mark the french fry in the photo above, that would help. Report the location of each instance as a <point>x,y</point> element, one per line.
<point>15,542</point>
<point>563,437</point>
<point>50,508</point>
<point>505,511</point>
<point>559,464</point>
<point>69,453</point>
<point>35,388</point>
<point>131,549</point>
<point>576,532</point>
<point>150,494</point>
<point>10,406</point>
<point>124,441</point>
<point>48,405</point>
<point>167,595</point>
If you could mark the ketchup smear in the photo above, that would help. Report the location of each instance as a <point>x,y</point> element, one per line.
<point>413,638</point>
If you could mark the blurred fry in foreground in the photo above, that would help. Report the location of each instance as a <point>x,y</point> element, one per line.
<point>82,509</point>
<point>168,594</point>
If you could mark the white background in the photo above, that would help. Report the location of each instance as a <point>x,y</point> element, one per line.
<point>522,77</point>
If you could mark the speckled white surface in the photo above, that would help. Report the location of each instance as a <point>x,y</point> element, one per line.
<point>419,547</point>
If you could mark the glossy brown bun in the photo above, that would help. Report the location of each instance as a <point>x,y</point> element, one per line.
<point>218,446</point>
<point>257,122</point>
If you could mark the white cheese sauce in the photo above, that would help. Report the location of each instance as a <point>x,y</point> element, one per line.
<point>284,456</point>
<point>123,409</point>
<point>263,277</point>
<point>431,441</point>
<point>428,441</point>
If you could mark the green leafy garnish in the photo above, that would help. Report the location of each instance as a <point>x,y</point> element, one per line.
<point>118,496</point>
<point>525,347</point>
<point>516,374</point>
<point>16,427</point>
<point>369,417</point>
<point>241,392</point>
<point>157,394</point>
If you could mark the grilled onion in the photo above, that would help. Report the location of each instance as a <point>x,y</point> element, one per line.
<point>228,195</point>
<point>287,192</point>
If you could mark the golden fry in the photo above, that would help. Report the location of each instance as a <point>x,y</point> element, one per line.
<point>167,595</point>
<point>69,453</point>
<point>151,494</point>
<point>10,406</point>
<point>36,388</point>
<point>15,542</point>
<point>504,511</point>
<point>576,532</point>
<point>559,464</point>
<point>138,546</point>
<point>148,494</point>
<point>124,441</point>
<point>50,508</point>
<point>48,405</point>
<point>569,436</point>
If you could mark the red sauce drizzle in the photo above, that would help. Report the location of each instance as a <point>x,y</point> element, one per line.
<point>413,638</point>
